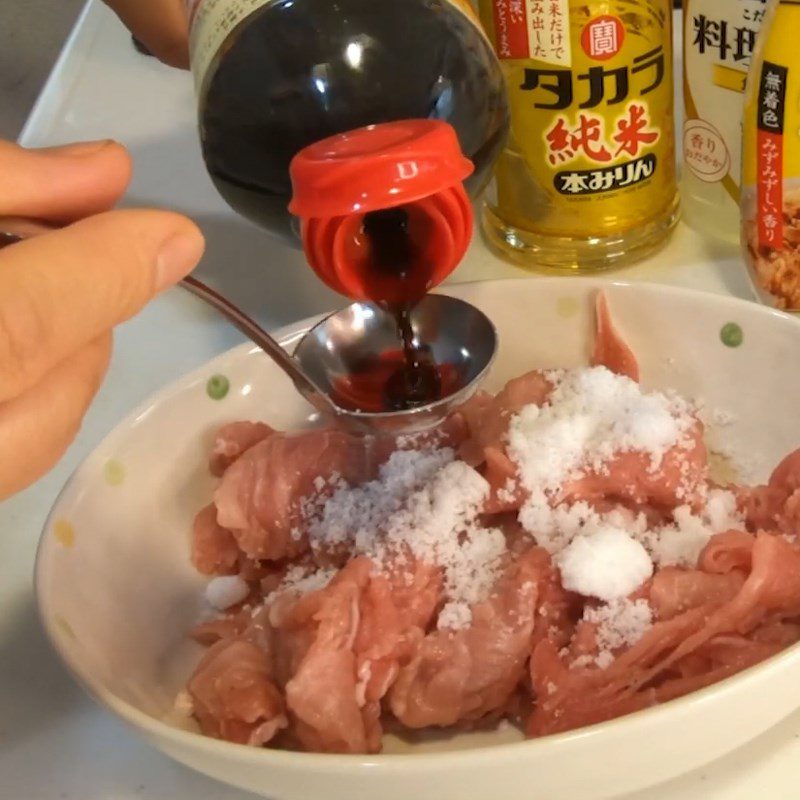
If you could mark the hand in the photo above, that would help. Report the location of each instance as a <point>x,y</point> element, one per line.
<point>63,291</point>
<point>161,25</point>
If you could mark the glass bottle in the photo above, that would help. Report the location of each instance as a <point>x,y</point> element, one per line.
<point>587,180</point>
<point>770,202</point>
<point>718,41</point>
<point>273,76</point>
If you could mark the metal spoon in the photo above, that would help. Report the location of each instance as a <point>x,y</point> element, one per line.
<point>454,332</point>
<point>253,331</point>
<point>457,336</point>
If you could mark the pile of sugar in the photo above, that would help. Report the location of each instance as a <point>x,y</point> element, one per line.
<point>425,504</point>
<point>299,579</point>
<point>225,591</point>
<point>608,555</point>
<point>352,514</point>
<point>680,543</point>
<point>620,623</point>
<point>607,564</point>
<point>591,415</point>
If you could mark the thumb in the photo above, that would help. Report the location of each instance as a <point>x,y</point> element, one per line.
<point>61,290</point>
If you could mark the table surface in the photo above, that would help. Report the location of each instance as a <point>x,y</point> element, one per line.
<point>55,743</point>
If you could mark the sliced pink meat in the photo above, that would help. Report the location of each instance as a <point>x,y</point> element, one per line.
<point>728,551</point>
<point>320,671</point>
<point>776,506</point>
<point>340,648</point>
<point>463,675</point>
<point>232,440</point>
<point>673,590</point>
<point>259,497</point>
<point>556,713</point>
<point>233,695</point>
<point>396,610</point>
<point>610,349</point>
<point>568,698</point>
<point>487,418</point>
<point>416,590</point>
<point>214,549</point>
<point>700,645</point>
<point>679,479</point>
<point>321,694</point>
<point>627,478</point>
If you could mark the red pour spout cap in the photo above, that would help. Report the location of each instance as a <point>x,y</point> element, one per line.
<point>413,164</point>
<point>376,167</point>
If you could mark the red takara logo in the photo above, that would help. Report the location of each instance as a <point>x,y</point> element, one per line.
<point>602,37</point>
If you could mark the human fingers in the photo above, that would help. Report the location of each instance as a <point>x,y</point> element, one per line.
<point>62,184</point>
<point>61,290</point>
<point>37,426</point>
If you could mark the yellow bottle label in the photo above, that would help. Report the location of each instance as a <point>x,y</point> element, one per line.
<point>718,41</point>
<point>771,159</point>
<point>591,151</point>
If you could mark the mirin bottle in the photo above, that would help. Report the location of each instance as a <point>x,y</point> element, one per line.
<point>587,180</point>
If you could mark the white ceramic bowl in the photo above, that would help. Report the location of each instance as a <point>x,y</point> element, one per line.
<point>117,592</point>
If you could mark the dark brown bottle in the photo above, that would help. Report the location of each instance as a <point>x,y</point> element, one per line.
<point>273,76</point>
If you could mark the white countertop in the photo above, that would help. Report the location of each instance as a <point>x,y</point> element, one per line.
<point>55,743</point>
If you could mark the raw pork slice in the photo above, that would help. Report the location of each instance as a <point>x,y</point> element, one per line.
<point>259,498</point>
<point>233,695</point>
<point>463,675</point>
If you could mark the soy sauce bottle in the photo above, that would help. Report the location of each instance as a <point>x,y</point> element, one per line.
<point>273,76</point>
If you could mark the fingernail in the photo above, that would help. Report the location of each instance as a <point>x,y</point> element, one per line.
<point>178,257</point>
<point>79,149</point>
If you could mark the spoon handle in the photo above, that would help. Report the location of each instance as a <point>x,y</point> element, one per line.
<point>253,331</point>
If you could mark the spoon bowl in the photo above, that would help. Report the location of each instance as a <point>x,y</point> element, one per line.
<point>460,340</point>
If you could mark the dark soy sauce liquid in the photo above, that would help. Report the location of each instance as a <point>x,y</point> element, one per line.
<point>366,387</point>
<point>418,381</point>
<point>398,278</point>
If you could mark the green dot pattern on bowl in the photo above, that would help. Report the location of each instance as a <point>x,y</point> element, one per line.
<point>217,387</point>
<point>114,472</point>
<point>731,334</point>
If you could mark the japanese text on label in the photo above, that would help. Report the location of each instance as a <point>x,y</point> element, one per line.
<point>559,88</point>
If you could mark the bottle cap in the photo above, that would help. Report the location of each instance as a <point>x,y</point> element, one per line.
<point>376,167</point>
